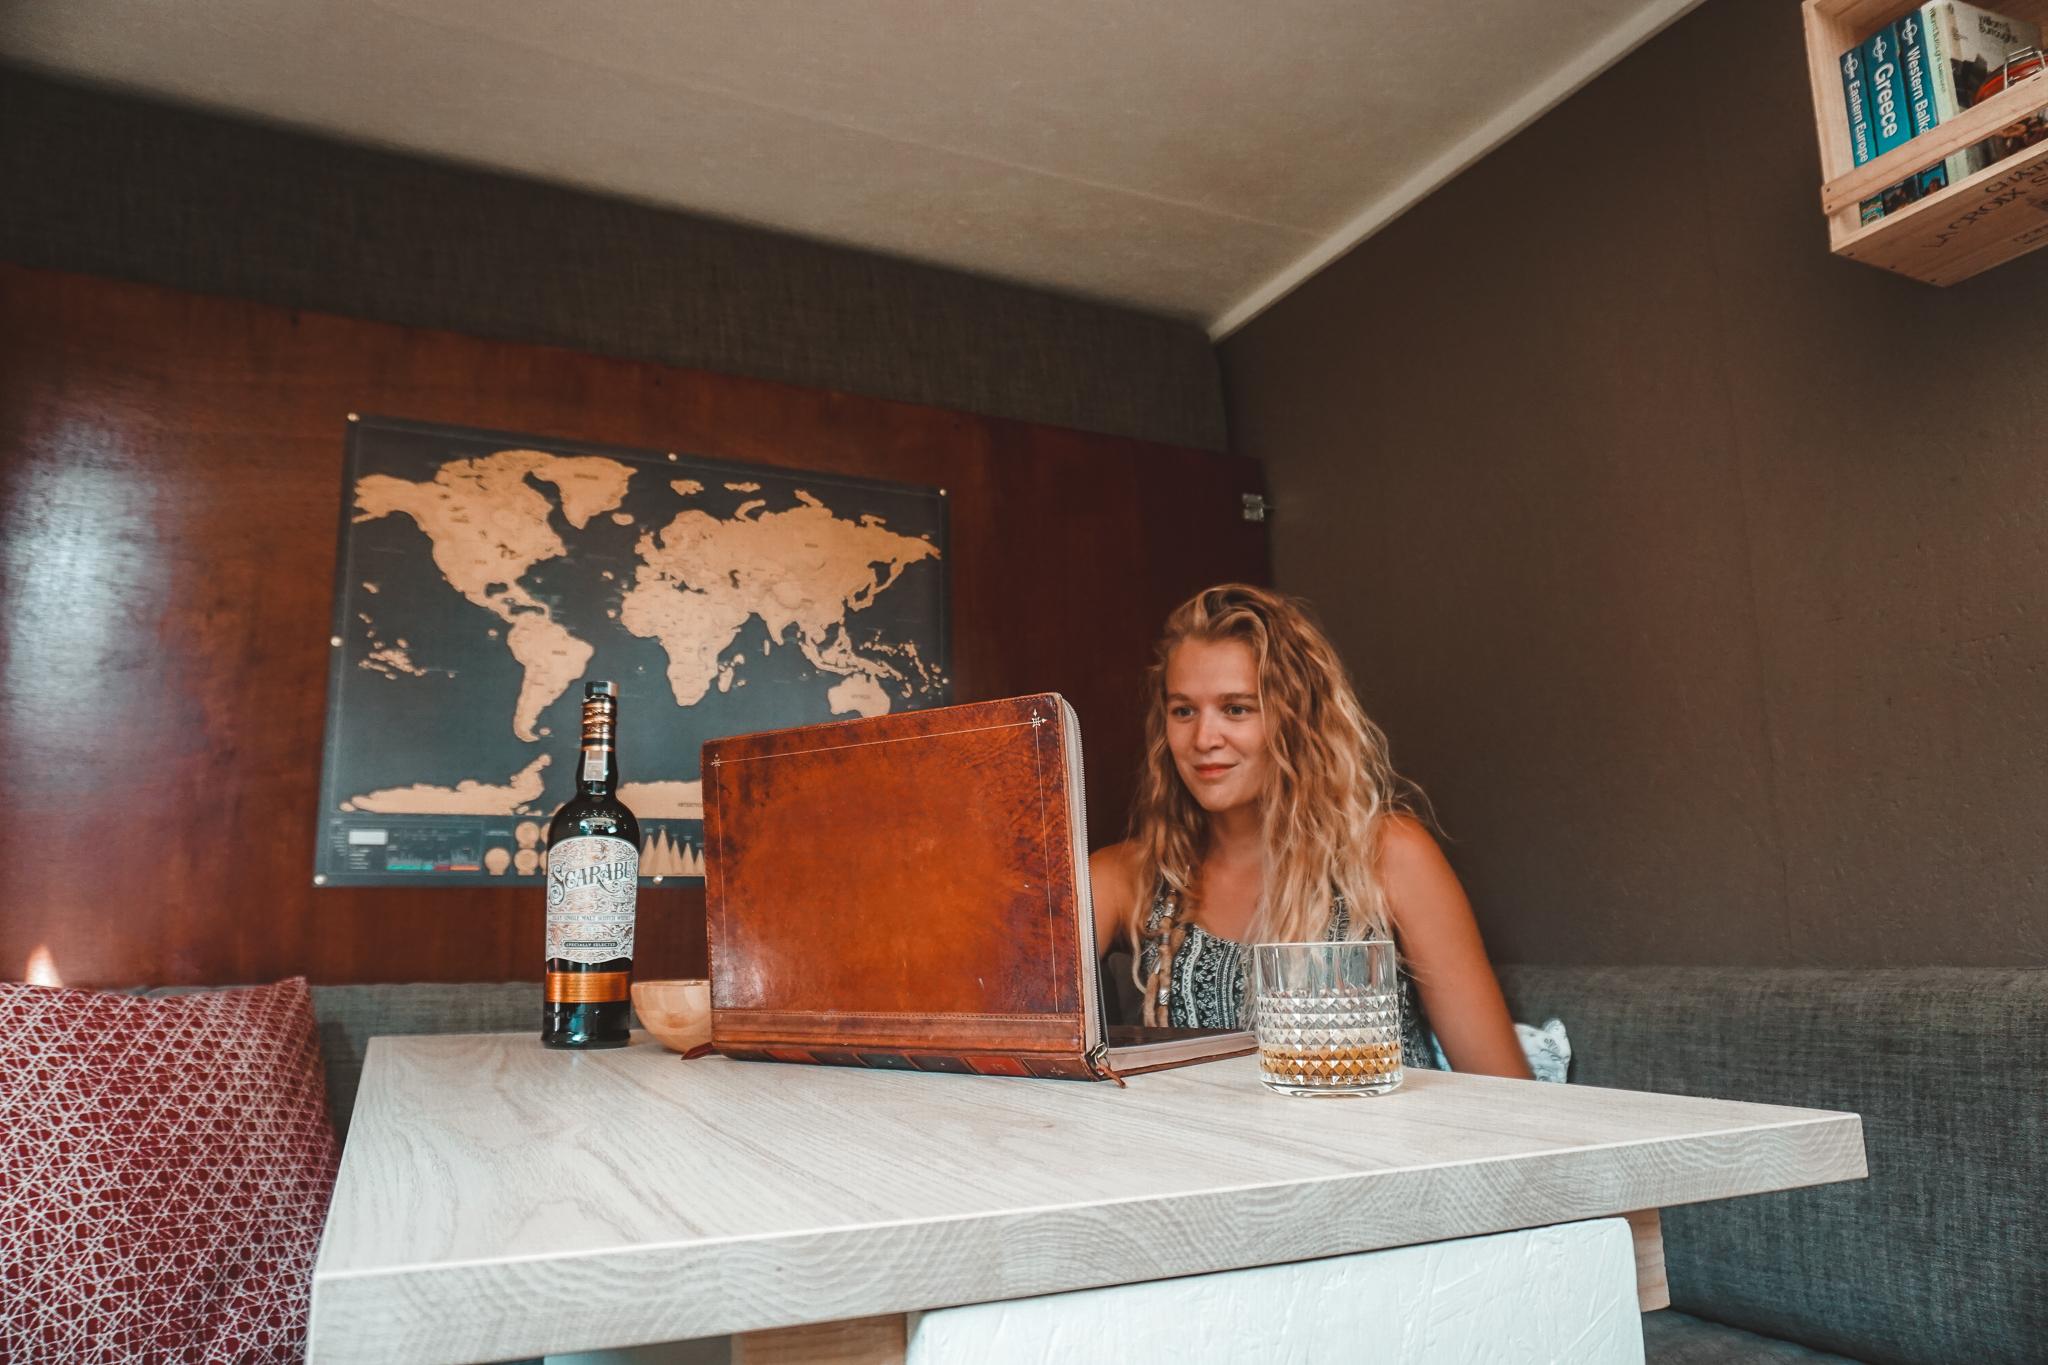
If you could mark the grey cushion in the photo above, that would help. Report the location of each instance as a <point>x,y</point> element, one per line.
<point>1939,1255</point>
<point>350,1016</point>
<point>1673,1338</point>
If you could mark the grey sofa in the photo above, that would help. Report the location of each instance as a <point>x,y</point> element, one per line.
<point>1941,1256</point>
<point>350,1016</point>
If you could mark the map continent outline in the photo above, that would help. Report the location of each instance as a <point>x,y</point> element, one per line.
<point>482,575</point>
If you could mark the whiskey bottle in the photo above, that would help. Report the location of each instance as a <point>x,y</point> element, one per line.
<point>593,874</point>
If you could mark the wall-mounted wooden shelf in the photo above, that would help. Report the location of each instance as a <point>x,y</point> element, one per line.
<point>1985,220</point>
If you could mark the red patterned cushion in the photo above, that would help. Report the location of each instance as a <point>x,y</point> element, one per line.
<point>165,1167</point>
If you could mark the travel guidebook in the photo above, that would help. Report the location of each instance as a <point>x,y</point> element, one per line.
<point>1913,74</point>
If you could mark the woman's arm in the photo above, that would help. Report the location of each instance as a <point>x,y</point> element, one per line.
<point>1113,882</point>
<point>1440,939</point>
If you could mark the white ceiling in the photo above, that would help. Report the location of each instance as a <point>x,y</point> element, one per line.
<point>1196,158</point>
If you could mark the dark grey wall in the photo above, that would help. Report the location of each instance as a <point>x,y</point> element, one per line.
<point>107,185</point>
<point>1701,578</point>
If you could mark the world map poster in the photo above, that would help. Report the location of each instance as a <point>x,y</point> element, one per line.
<point>482,577</point>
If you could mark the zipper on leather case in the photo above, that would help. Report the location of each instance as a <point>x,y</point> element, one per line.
<point>1096,1028</point>
<point>1098,1062</point>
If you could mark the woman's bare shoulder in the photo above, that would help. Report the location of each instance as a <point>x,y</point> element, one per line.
<point>1404,839</point>
<point>1412,867</point>
<point>1115,870</point>
<point>1115,881</point>
<point>1421,888</point>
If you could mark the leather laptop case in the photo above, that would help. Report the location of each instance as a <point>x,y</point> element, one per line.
<point>910,891</point>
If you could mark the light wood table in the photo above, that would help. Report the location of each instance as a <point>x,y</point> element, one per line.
<point>498,1200</point>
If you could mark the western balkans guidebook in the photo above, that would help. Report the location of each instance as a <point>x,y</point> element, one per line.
<point>1912,74</point>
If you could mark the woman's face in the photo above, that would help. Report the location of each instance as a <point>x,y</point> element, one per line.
<point>1214,726</point>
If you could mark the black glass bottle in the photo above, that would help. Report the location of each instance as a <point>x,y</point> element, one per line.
<point>593,876</point>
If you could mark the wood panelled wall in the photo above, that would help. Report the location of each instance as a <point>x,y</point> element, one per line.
<point>170,477</point>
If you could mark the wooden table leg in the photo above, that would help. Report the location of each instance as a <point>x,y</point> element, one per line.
<point>1648,1228</point>
<point>855,1341</point>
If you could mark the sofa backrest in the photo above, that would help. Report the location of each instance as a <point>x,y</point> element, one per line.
<point>350,1016</point>
<point>1942,1254</point>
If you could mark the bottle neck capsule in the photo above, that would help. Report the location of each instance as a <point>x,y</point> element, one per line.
<point>597,771</point>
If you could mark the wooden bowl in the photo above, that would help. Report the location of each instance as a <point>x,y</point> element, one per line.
<point>676,1012</point>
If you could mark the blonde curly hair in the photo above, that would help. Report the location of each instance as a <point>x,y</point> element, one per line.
<point>1328,791</point>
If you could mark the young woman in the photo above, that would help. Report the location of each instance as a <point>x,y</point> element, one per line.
<point>1267,812</point>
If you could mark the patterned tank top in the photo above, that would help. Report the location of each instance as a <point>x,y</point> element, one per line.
<point>1206,986</point>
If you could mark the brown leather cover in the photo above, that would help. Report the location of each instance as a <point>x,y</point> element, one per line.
<point>901,891</point>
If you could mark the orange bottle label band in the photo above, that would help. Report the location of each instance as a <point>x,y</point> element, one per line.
<point>586,988</point>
